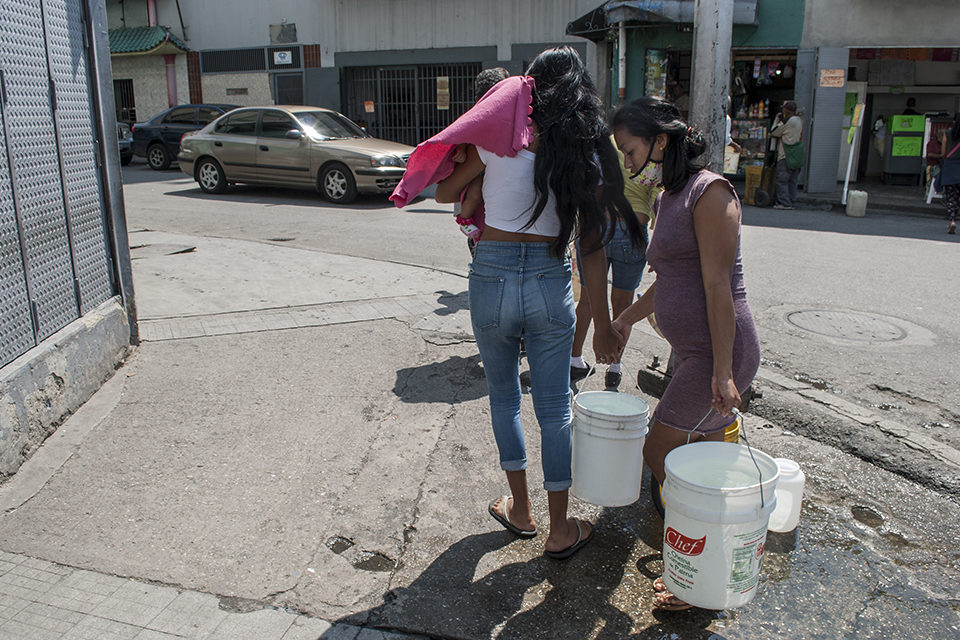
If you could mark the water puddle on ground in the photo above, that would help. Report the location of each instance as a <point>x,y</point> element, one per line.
<point>816,383</point>
<point>837,577</point>
<point>887,406</point>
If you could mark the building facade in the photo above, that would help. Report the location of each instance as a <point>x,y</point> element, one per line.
<point>827,56</point>
<point>404,69</point>
<point>891,52</point>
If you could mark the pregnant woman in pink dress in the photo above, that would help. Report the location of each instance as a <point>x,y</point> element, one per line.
<point>698,297</point>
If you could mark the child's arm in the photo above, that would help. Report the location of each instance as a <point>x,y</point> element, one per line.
<point>472,199</point>
<point>448,189</point>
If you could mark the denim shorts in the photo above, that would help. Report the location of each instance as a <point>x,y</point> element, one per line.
<point>626,262</point>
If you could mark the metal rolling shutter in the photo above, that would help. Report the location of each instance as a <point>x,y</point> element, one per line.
<point>826,123</point>
<point>16,330</point>
<point>75,128</point>
<point>35,167</point>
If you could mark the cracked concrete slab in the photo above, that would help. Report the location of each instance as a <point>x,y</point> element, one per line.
<point>229,461</point>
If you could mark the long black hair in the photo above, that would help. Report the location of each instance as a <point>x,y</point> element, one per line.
<point>647,118</point>
<point>575,156</point>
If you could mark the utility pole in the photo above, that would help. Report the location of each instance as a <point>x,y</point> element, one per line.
<point>622,68</point>
<point>712,38</point>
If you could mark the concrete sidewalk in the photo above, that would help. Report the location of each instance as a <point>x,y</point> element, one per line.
<point>315,460</point>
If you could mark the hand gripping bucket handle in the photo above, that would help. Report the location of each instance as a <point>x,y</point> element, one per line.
<point>743,434</point>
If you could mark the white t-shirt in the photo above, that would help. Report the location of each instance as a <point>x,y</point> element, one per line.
<point>509,197</point>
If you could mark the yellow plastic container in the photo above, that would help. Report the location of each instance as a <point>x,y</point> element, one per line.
<point>758,177</point>
<point>732,432</point>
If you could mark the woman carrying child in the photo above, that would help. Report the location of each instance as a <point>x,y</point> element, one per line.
<point>567,182</point>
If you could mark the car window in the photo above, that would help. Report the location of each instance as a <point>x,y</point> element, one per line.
<point>275,124</point>
<point>181,116</point>
<point>206,115</point>
<point>239,124</point>
<point>325,125</point>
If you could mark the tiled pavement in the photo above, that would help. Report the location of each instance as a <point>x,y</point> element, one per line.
<point>41,600</point>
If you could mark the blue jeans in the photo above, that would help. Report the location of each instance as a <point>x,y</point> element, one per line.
<point>518,290</point>
<point>626,263</point>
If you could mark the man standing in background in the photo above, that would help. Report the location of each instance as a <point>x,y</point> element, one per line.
<point>788,127</point>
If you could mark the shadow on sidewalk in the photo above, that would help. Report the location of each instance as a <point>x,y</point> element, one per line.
<point>452,302</point>
<point>578,598</point>
<point>456,376</point>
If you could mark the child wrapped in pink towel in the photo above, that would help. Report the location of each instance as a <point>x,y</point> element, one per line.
<point>499,122</point>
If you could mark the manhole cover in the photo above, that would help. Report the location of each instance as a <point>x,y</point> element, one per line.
<point>848,325</point>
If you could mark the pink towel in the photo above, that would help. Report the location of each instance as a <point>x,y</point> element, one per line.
<point>499,122</point>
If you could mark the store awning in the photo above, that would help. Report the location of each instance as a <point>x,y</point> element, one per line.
<point>142,41</point>
<point>595,24</point>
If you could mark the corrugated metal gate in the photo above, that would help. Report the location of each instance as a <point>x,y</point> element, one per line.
<point>55,262</point>
<point>404,98</point>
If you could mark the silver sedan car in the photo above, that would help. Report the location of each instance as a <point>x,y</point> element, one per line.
<point>292,146</point>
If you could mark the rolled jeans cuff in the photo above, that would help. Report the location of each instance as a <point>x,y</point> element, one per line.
<point>513,465</point>
<point>557,485</point>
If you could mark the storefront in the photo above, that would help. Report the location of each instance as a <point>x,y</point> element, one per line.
<point>659,60</point>
<point>909,97</point>
<point>761,82</point>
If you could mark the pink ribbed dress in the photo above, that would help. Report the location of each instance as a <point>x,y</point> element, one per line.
<point>681,311</point>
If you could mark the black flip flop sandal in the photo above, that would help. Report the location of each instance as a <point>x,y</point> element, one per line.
<point>509,526</point>
<point>572,549</point>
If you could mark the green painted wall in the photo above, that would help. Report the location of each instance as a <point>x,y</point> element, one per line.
<point>780,26</point>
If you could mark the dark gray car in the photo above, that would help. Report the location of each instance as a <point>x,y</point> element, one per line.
<point>158,139</point>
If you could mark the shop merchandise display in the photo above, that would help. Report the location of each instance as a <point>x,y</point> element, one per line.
<point>759,86</point>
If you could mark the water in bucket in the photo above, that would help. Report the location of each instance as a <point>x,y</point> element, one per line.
<point>608,434</point>
<point>715,526</point>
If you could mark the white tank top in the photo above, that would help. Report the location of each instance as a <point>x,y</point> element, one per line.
<point>509,197</point>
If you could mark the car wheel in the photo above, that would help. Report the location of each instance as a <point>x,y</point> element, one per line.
<point>210,176</point>
<point>337,184</point>
<point>157,157</point>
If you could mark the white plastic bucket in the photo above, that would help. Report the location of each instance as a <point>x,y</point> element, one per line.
<point>715,525</point>
<point>608,434</point>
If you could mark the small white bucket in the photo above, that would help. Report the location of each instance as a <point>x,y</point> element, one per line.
<point>715,526</point>
<point>608,434</point>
